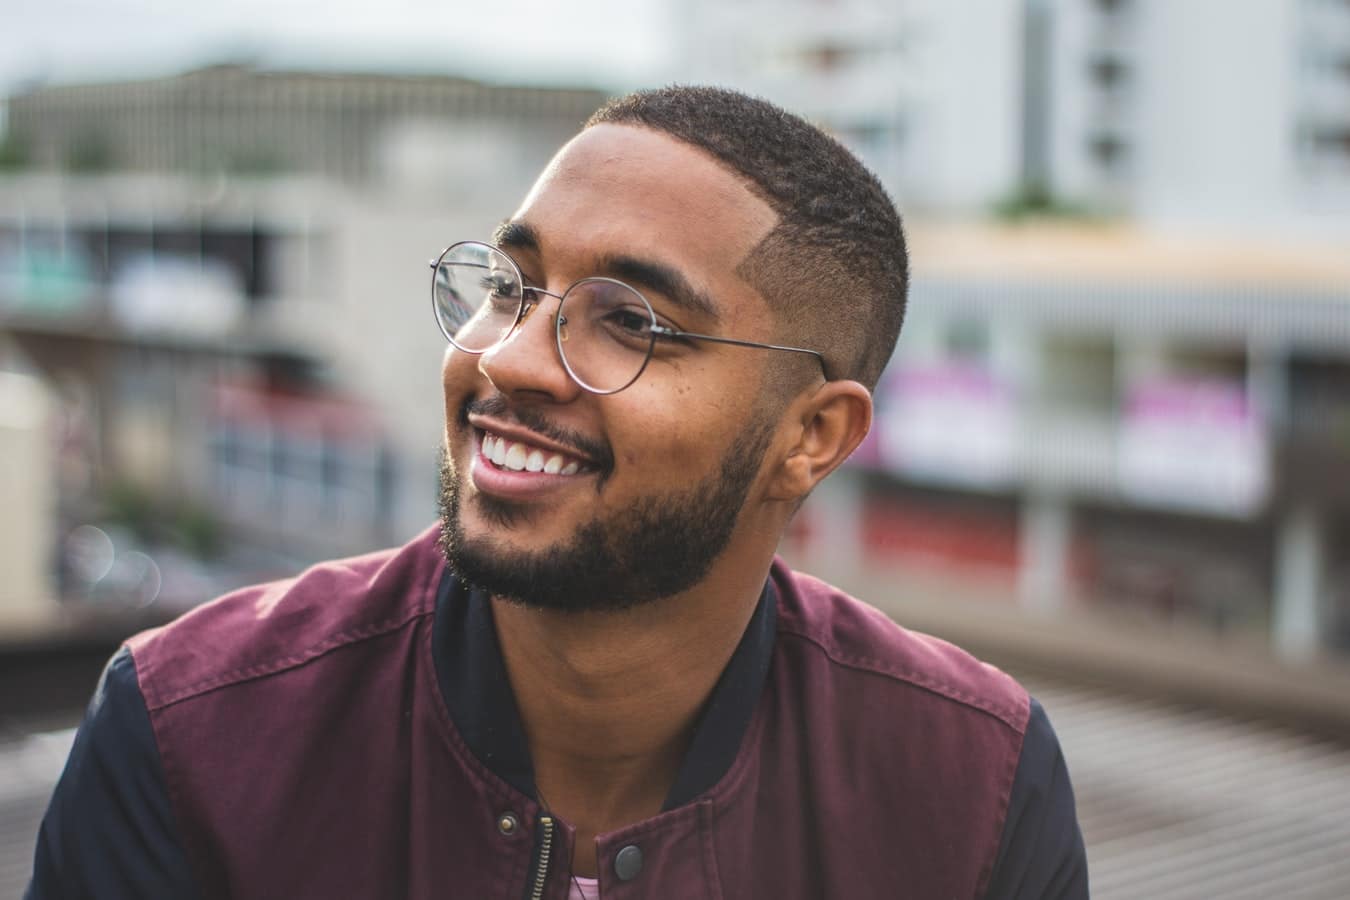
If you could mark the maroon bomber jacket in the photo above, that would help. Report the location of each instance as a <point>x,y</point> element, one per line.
<point>351,733</point>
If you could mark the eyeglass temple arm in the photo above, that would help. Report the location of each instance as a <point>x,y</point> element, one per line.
<point>435,262</point>
<point>670,332</point>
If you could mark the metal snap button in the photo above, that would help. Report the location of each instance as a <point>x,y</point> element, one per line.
<point>628,862</point>
<point>508,824</point>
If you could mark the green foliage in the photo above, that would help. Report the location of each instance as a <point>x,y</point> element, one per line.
<point>133,508</point>
<point>256,161</point>
<point>199,532</point>
<point>14,152</point>
<point>1035,200</point>
<point>152,520</point>
<point>90,153</point>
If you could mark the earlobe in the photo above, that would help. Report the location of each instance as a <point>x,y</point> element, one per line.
<point>832,422</point>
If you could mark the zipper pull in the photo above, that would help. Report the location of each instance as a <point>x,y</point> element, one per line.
<point>544,830</point>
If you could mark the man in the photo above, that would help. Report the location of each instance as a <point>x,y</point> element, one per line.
<point>611,685</point>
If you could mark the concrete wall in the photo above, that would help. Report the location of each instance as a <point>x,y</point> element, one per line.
<point>27,496</point>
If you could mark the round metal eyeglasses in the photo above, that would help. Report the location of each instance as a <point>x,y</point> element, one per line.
<point>605,329</point>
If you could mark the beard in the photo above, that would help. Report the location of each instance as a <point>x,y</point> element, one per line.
<point>662,545</point>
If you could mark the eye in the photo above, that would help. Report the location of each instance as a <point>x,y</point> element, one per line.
<point>501,284</point>
<point>501,291</point>
<point>612,309</point>
<point>629,321</point>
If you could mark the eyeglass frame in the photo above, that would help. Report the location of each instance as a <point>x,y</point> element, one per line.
<point>526,306</point>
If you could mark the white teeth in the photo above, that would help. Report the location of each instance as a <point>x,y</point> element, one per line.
<point>523,458</point>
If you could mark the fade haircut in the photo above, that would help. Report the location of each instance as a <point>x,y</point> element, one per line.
<point>834,268</point>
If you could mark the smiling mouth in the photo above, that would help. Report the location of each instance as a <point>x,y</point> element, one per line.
<point>519,456</point>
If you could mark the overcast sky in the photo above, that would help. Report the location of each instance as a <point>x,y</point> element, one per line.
<point>620,41</point>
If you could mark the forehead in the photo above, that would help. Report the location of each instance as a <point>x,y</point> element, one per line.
<point>619,190</point>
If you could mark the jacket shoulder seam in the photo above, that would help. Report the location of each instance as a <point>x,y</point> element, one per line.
<point>886,669</point>
<point>277,665</point>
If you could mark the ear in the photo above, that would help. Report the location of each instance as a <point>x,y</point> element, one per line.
<point>827,426</point>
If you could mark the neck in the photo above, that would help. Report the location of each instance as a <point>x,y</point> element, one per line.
<point>608,700</point>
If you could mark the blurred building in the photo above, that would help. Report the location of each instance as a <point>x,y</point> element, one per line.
<point>1079,414</point>
<point>1097,417</point>
<point>927,93</point>
<point>223,275</point>
<point>1203,113</point>
<point>355,127</point>
<point>1142,417</point>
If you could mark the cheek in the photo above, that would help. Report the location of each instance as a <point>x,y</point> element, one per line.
<point>458,372</point>
<point>458,384</point>
<point>677,426</point>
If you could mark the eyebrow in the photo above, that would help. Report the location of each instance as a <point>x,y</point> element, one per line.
<point>661,279</point>
<point>655,277</point>
<point>515,236</point>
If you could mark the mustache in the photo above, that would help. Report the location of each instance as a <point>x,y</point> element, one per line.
<point>498,407</point>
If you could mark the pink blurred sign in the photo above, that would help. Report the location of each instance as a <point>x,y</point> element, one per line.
<point>947,421</point>
<point>1193,443</point>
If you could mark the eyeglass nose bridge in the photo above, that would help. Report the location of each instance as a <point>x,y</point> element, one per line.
<point>529,302</point>
<point>531,299</point>
<point>528,305</point>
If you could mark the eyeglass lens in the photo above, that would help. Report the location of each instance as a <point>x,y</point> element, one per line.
<point>476,292</point>
<point>604,328</point>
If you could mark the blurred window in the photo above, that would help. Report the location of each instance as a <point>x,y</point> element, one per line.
<point>1079,374</point>
<point>1109,151</point>
<point>967,339</point>
<point>1109,72</point>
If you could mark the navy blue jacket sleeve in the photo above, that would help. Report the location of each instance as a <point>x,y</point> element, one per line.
<point>109,830</point>
<point>1041,855</point>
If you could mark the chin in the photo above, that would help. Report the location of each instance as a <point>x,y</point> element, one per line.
<point>656,547</point>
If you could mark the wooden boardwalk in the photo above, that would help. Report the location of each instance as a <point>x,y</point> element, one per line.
<point>29,766</point>
<point>1184,804</point>
<point>1176,803</point>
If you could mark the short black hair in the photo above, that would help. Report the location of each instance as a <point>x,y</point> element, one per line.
<point>835,267</point>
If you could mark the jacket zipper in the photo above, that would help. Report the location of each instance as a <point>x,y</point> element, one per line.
<point>543,851</point>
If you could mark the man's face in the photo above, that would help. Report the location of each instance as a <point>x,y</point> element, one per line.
<point>638,492</point>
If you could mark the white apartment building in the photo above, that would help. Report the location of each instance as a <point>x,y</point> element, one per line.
<point>925,92</point>
<point>1209,114</point>
<point>1206,114</point>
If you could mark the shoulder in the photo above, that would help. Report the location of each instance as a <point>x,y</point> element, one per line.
<point>1041,850</point>
<point>910,734</point>
<point>267,628</point>
<point>109,830</point>
<point>847,634</point>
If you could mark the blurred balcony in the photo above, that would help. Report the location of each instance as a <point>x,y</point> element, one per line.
<point>1164,450</point>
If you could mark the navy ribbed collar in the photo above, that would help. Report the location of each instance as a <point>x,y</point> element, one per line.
<point>476,690</point>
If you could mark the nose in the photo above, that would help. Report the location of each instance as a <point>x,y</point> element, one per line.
<point>527,360</point>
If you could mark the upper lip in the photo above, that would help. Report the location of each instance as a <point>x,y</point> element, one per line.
<point>526,436</point>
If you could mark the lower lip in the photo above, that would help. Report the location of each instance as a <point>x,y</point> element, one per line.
<point>508,483</point>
